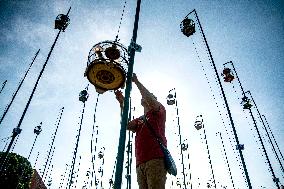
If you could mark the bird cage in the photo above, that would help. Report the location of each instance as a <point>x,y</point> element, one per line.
<point>111,182</point>
<point>101,155</point>
<point>187,27</point>
<point>184,146</point>
<point>240,146</point>
<point>198,122</point>
<point>228,75</point>
<point>83,96</point>
<point>16,131</point>
<point>107,65</point>
<point>246,103</point>
<point>61,22</point>
<point>37,129</point>
<point>171,99</point>
<point>276,180</point>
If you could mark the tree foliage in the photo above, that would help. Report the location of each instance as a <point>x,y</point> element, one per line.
<point>16,172</point>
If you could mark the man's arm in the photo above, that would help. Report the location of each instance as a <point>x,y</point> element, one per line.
<point>134,124</point>
<point>119,97</point>
<point>145,93</point>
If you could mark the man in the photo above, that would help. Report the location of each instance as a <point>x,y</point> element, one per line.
<point>150,167</point>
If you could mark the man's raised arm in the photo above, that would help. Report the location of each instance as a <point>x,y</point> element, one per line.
<point>145,93</point>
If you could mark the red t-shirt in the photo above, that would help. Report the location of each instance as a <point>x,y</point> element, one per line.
<point>146,146</point>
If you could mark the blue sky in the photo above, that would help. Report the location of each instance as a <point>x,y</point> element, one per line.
<point>249,33</point>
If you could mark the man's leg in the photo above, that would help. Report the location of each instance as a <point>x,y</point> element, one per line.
<point>141,176</point>
<point>156,174</point>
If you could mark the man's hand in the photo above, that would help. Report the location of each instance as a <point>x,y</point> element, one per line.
<point>134,78</point>
<point>146,95</point>
<point>133,125</point>
<point>119,97</point>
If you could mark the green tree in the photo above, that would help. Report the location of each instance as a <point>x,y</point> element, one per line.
<point>16,172</point>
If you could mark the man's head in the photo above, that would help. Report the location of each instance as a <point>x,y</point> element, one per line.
<point>148,102</point>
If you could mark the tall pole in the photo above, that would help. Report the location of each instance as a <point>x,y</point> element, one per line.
<point>70,182</point>
<point>264,150</point>
<point>189,171</point>
<point>3,85</point>
<point>129,155</point>
<point>180,140</point>
<point>15,134</point>
<point>96,142</point>
<point>124,119</point>
<point>78,137</point>
<point>256,128</point>
<point>209,157</point>
<point>37,131</point>
<point>48,159</point>
<point>227,162</point>
<point>273,137</point>
<point>20,84</point>
<point>226,102</point>
<point>264,126</point>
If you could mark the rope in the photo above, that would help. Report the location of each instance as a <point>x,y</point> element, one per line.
<point>208,56</point>
<point>227,161</point>
<point>220,114</point>
<point>19,86</point>
<point>189,171</point>
<point>111,182</point>
<point>49,170</point>
<point>77,143</point>
<point>234,88</point>
<point>52,142</point>
<point>77,172</point>
<point>93,154</point>
<point>3,85</point>
<point>122,15</point>
<point>16,141</point>
<point>36,159</point>
<point>7,142</point>
<point>129,152</point>
<point>63,176</point>
<point>209,157</point>
<point>32,147</point>
<point>180,141</point>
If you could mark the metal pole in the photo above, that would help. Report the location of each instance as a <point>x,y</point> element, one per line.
<point>255,126</point>
<point>20,84</point>
<point>92,139</point>
<point>270,141</point>
<point>39,131</point>
<point>189,171</point>
<point>227,162</point>
<point>180,142</point>
<point>76,147</point>
<point>226,103</point>
<point>128,166</point>
<point>264,150</point>
<point>32,147</point>
<point>122,138</point>
<point>52,143</point>
<point>30,99</point>
<point>209,157</point>
<point>273,137</point>
<point>3,85</point>
<point>27,105</point>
